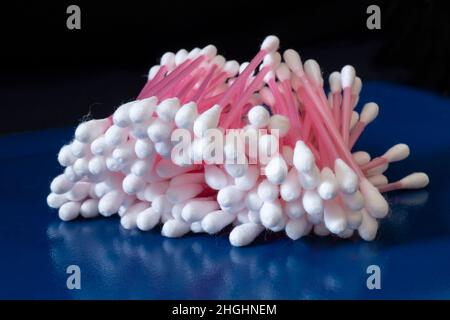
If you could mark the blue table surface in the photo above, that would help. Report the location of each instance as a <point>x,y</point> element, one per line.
<point>412,248</point>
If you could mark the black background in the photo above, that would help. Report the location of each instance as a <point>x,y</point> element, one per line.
<point>51,76</point>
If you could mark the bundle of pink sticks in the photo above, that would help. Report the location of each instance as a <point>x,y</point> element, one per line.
<point>212,145</point>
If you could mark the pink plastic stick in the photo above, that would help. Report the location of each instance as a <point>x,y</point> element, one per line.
<point>346,114</point>
<point>356,133</point>
<point>390,187</point>
<point>241,80</point>
<point>378,161</point>
<point>151,83</point>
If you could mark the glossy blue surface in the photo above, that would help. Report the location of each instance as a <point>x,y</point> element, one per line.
<point>412,247</point>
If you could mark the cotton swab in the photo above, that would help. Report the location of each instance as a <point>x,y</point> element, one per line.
<point>285,164</point>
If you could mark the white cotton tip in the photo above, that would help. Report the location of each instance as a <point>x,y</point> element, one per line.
<point>267,96</point>
<point>219,61</point>
<point>354,120</point>
<point>346,234</point>
<point>348,74</point>
<point>321,230</point>
<point>334,217</point>
<point>283,73</point>
<point>153,71</point>
<point>290,189</point>
<point>268,191</point>
<point>127,202</point>
<point>71,174</point>
<point>253,216</point>
<point>79,149</point>
<point>161,204</point>
<point>88,131</point>
<point>89,208</point>
<point>168,108</point>
<point>415,180</point>
<point>312,71</point>
<point>61,184</point>
<point>293,61</point>
<point>121,116</point>
<point>288,155</point>
<point>132,184</point>
<point>328,186</point>
<point>280,124</point>
<point>113,165</point>
<point>259,117</point>
<point>194,53</point>
<point>215,178</point>
<point>369,112</point>
<point>181,56</point>
<point>294,209</point>
<point>168,59</point>
<point>207,120</point>
<point>231,68</point>
<point>124,153</point>
<point>309,180</point>
<point>243,66</point>
<point>196,210</point>
<point>140,167</point>
<point>357,86</point>
<point>99,147</point>
<point>354,219</point>
<point>69,211</point>
<point>165,168</point>
<point>230,196</point>
<point>55,201</point>
<point>312,203</point>
<point>144,148</point>
<point>210,51</point>
<point>97,165</point>
<point>271,214</point>
<point>270,44</point>
<point>129,218</point>
<point>116,135</point>
<point>346,177</point>
<point>303,160</point>
<point>164,149</point>
<point>159,130</point>
<point>353,201</point>
<point>271,60</point>
<point>110,202</point>
<point>268,145</point>
<point>186,116</point>
<point>276,170</point>
<point>196,227</point>
<point>281,225</point>
<point>252,201</point>
<point>377,170</point>
<point>368,227</point>
<point>142,110</point>
<point>177,209</point>
<point>376,204</point>
<point>81,167</point>
<point>397,153</point>
<point>79,191</point>
<point>245,234</point>
<point>335,82</point>
<point>378,180</point>
<point>215,221</point>
<point>236,170</point>
<point>239,207</point>
<point>155,189</point>
<point>269,75</point>
<point>187,178</point>
<point>249,179</point>
<point>175,228</point>
<point>361,157</point>
<point>147,219</point>
<point>297,228</point>
<point>182,193</point>
<point>65,156</point>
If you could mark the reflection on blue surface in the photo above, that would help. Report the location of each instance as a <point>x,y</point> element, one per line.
<point>412,247</point>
